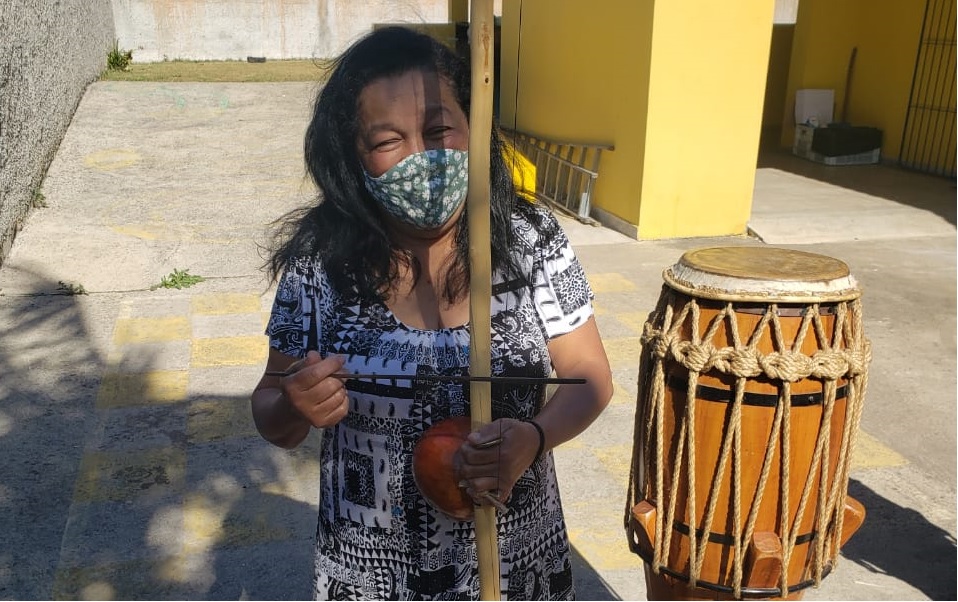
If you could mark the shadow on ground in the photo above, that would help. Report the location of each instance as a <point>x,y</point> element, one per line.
<point>922,191</point>
<point>49,373</point>
<point>119,486</point>
<point>900,542</point>
<point>589,585</point>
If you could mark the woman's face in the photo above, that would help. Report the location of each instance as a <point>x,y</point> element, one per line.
<point>406,114</point>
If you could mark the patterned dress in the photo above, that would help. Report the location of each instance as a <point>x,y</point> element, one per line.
<point>377,537</point>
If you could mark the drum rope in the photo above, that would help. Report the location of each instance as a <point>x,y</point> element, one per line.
<point>733,420</point>
<point>658,396</point>
<point>663,537</point>
<point>770,448</point>
<point>824,546</point>
<point>688,426</point>
<point>846,356</point>
<point>643,422</point>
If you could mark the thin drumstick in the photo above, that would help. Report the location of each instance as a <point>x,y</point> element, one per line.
<point>508,380</point>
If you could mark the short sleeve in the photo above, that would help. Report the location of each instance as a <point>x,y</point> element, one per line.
<point>292,327</point>
<point>562,294</point>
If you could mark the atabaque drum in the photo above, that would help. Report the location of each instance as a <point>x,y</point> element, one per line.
<point>751,383</point>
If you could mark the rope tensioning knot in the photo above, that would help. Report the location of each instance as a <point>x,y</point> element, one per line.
<point>748,362</point>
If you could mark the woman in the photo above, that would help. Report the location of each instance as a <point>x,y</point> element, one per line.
<point>375,279</point>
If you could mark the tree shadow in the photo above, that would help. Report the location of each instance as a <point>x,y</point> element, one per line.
<point>119,485</point>
<point>900,542</point>
<point>184,501</point>
<point>589,584</point>
<point>935,194</point>
<point>264,549</point>
<point>49,373</point>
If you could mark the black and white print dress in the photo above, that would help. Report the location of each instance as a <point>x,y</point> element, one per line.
<point>377,538</point>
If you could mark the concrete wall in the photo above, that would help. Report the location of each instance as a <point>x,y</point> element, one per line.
<point>49,52</point>
<point>157,30</point>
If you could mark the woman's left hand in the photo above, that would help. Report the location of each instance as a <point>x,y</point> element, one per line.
<point>485,466</point>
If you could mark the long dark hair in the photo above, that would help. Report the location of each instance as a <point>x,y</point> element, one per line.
<point>344,229</point>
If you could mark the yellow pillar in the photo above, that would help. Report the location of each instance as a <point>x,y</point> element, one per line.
<point>706,88</point>
<point>677,86</point>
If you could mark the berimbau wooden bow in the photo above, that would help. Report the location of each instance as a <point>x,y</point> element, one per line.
<point>481,50</point>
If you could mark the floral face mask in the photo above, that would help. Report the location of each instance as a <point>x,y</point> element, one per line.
<point>425,189</point>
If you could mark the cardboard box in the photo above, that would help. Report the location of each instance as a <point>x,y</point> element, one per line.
<point>814,106</point>
<point>802,144</point>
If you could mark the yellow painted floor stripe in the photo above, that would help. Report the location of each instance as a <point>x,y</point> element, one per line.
<point>635,320</point>
<point>151,330</point>
<point>623,350</point>
<point>616,460</point>
<point>226,303</point>
<point>229,351</point>
<point>610,282</point>
<point>621,396</point>
<point>218,418</point>
<point>603,542</point>
<point>118,476</point>
<point>135,389</point>
<point>872,453</point>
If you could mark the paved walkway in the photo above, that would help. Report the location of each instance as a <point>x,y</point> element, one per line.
<point>131,468</point>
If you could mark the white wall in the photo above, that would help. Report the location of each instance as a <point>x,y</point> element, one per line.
<point>157,30</point>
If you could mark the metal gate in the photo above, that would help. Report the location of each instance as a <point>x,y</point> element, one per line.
<point>928,141</point>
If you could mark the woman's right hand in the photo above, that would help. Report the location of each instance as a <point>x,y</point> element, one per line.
<point>313,392</point>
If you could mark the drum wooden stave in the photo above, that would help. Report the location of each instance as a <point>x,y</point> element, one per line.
<point>751,382</point>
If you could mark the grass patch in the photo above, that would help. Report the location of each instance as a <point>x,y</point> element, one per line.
<point>70,288</point>
<point>222,71</point>
<point>117,59</point>
<point>178,279</point>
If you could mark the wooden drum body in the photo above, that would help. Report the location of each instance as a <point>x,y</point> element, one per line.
<point>751,384</point>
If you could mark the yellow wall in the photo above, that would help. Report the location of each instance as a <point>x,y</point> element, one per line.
<point>591,88</point>
<point>776,84</point>
<point>676,85</point>
<point>709,66</point>
<point>458,10</point>
<point>886,34</point>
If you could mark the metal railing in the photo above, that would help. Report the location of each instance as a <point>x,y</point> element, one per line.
<point>565,171</point>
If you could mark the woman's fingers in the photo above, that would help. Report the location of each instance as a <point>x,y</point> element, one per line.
<point>493,458</point>
<point>320,397</point>
<point>486,497</point>
<point>314,371</point>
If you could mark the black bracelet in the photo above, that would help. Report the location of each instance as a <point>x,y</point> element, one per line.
<point>542,439</point>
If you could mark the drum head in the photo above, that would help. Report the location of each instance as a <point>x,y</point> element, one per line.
<point>762,274</point>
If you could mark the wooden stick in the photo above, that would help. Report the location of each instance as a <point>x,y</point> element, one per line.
<point>481,50</point>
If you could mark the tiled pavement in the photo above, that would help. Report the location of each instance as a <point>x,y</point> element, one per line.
<point>174,481</point>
